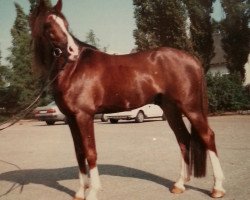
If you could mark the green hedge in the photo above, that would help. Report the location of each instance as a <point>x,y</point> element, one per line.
<point>226,93</point>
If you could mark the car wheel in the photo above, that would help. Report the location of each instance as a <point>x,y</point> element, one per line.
<point>104,118</point>
<point>50,122</point>
<point>114,121</point>
<point>139,117</point>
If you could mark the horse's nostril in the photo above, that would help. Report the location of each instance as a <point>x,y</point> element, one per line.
<point>70,49</point>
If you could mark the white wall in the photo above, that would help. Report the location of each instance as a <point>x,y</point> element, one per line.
<point>247,68</point>
<point>218,69</point>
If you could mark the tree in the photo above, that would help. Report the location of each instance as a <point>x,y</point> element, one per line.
<point>7,93</point>
<point>2,72</point>
<point>161,23</point>
<point>236,34</point>
<point>226,93</point>
<point>92,39</point>
<point>21,78</point>
<point>201,29</point>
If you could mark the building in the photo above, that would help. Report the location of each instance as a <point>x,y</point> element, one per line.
<point>247,68</point>
<point>218,62</point>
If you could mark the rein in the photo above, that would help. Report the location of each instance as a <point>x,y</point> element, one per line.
<point>57,52</point>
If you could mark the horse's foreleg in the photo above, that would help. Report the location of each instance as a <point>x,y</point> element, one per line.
<point>176,123</point>
<point>86,128</point>
<point>81,159</point>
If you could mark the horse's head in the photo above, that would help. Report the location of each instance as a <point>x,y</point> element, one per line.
<point>50,26</point>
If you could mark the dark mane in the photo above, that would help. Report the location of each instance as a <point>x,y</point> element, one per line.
<point>83,44</point>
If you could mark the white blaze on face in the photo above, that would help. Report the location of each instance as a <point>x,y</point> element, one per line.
<point>72,48</point>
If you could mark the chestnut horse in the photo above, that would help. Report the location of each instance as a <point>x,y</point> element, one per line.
<point>87,81</point>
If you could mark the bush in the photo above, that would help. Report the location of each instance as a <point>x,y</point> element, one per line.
<point>226,93</point>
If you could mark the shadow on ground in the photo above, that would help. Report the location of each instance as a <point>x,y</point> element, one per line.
<point>52,177</point>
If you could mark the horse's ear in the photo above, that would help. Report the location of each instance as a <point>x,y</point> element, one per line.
<point>58,6</point>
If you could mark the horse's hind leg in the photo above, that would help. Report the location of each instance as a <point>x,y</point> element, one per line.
<point>174,118</point>
<point>218,190</point>
<point>201,133</point>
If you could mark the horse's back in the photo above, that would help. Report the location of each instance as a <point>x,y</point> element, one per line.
<point>168,67</point>
<point>164,57</point>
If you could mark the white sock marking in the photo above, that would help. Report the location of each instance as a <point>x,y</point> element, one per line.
<point>95,184</point>
<point>185,176</point>
<point>218,174</point>
<point>84,184</point>
<point>95,179</point>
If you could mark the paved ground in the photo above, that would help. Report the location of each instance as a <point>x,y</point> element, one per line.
<point>136,161</point>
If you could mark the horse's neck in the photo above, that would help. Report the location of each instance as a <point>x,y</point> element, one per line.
<point>82,44</point>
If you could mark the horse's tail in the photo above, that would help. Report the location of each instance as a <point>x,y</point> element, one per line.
<point>198,149</point>
<point>198,154</point>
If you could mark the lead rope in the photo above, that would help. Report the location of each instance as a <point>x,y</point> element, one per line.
<point>56,53</point>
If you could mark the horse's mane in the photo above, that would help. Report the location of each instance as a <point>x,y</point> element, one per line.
<point>40,59</point>
<point>83,44</point>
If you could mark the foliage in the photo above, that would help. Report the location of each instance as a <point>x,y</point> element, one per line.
<point>160,23</point>
<point>3,73</point>
<point>201,29</point>
<point>226,93</point>
<point>94,41</point>
<point>166,23</point>
<point>20,59</point>
<point>23,86</point>
<point>3,76</point>
<point>236,34</point>
<point>8,98</point>
<point>182,24</point>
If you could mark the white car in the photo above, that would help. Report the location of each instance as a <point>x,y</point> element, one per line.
<point>50,114</point>
<point>139,114</point>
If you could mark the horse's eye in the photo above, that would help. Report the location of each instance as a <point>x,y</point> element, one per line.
<point>52,35</point>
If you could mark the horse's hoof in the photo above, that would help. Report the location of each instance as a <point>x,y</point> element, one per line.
<point>217,193</point>
<point>176,190</point>
<point>78,198</point>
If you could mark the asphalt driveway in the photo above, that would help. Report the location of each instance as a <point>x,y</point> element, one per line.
<point>136,161</point>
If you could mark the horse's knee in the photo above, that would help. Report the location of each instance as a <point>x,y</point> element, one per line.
<point>91,157</point>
